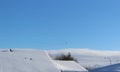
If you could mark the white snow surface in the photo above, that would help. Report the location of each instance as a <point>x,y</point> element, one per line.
<point>26,61</point>
<point>109,68</point>
<point>70,66</point>
<point>90,58</point>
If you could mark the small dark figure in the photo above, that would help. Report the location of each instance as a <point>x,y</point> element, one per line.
<point>25,58</point>
<point>30,58</point>
<point>61,70</point>
<point>11,50</point>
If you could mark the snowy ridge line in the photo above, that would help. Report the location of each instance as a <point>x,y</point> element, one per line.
<point>52,60</point>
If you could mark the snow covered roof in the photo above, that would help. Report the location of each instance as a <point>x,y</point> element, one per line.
<point>26,61</point>
<point>69,66</point>
<point>109,68</point>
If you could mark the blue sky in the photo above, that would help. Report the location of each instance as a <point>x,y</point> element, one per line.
<point>55,24</point>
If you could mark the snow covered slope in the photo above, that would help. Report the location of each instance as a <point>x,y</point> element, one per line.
<point>69,66</point>
<point>109,68</point>
<point>90,58</point>
<point>39,60</point>
<point>26,61</point>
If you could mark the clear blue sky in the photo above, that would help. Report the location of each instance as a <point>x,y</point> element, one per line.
<point>55,24</point>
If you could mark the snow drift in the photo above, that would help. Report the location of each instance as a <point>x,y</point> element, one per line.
<point>109,68</point>
<point>69,66</point>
